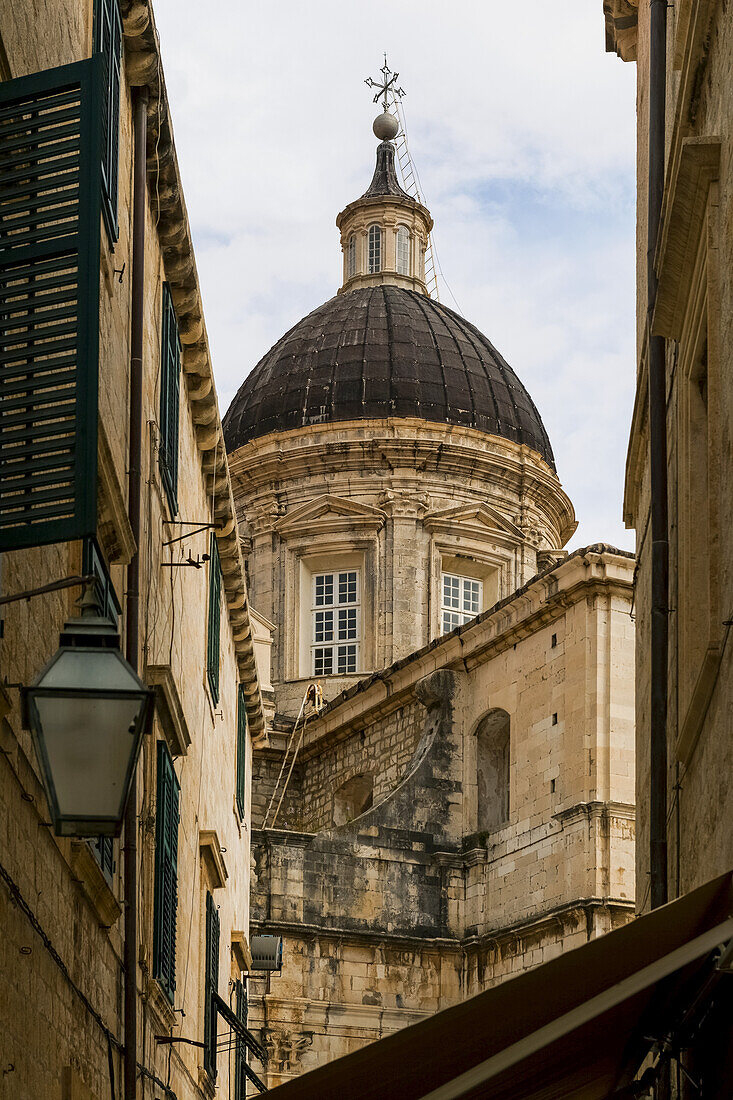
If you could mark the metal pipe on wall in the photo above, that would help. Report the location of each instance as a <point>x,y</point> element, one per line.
<point>657,467</point>
<point>132,606</point>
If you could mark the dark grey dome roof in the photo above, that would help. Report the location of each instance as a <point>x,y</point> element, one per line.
<point>380,352</point>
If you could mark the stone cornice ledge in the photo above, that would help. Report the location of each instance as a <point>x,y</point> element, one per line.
<point>597,568</point>
<point>143,67</point>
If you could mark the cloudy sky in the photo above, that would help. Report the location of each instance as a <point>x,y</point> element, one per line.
<point>522,130</point>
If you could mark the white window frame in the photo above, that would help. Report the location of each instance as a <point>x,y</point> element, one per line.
<point>374,238</point>
<point>461,599</point>
<point>403,250</point>
<point>334,653</point>
<point>351,256</point>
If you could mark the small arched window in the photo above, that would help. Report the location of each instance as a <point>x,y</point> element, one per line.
<point>351,257</point>
<point>492,770</point>
<point>375,249</point>
<point>353,798</point>
<point>403,250</point>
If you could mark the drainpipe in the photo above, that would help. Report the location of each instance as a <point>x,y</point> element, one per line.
<point>658,467</point>
<point>139,197</point>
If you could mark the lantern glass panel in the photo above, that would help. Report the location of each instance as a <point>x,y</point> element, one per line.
<point>88,743</point>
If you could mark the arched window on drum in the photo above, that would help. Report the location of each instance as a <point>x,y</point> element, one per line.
<point>403,250</point>
<point>375,249</point>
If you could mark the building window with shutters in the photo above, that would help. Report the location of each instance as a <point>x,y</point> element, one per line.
<point>240,1010</point>
<point>165,899</point>
<point>336,623</point>
<point>170,379</point>
<point>351,257</point>
<point>108,42</point>
<point>403,250</point>
<point>461,599</point>
<point>213,640</point>
<point>103,849</point>
<point>375,249</point>
<point>211,983</point>
<point>241,751</point>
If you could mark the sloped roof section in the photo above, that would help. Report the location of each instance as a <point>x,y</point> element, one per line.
<point>381,352</point>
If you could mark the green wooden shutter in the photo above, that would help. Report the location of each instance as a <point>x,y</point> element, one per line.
<point>211,984</point>
<point>165,901</point>
<point>104,853</point>
<point>240,1058</point>
<point>50,152</point>
<point>170,375</point>
<point>241,750</point>
<point>108,43</point>
<point>213,639</point>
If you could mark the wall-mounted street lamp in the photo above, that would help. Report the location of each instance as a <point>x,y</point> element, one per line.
<point>88,711</point>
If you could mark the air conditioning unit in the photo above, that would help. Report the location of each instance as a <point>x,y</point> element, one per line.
<point>267,952</point>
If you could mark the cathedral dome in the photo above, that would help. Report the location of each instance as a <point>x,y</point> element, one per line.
<point>378,352</point>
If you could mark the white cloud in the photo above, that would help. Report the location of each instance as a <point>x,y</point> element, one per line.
<point>523,132</point>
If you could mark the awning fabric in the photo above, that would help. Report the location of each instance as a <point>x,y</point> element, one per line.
<point>577,1027</point>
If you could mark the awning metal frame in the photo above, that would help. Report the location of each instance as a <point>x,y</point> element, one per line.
<point>603,1002</point>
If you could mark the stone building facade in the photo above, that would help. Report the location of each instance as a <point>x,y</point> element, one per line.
<point>463,808</point>
<point>693,314</point>
<point>62,975</point>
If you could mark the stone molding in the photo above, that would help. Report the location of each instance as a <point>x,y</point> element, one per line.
<point>241,954</point>
<point>169,708</point>
<point>622,19</point>
<point>586,572</point>
<point>212,858</point>
<point>115,531</point>
<point>91,878</point>
<point>682,226</point>
<point>434,454</point>
<point>143,66</point>
<point>480,521</point>
<point>329,514</point>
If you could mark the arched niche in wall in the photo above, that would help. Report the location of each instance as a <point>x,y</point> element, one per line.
<point>352,798</point>
<point>492,768</point>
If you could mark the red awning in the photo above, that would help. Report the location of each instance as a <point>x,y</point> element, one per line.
<point>577,1027</point>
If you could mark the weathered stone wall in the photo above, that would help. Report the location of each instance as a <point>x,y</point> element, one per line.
<point>695,315</point>
<point>60,919</point>
<point>410,907</point>
<point>399,497</point>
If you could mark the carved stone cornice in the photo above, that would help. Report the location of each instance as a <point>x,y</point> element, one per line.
<point>143,66</point>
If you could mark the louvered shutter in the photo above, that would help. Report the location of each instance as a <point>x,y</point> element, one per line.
<point>240,1076</point>
<point>211,984</point>
<point>104,851</point>
<point>241,750</point>
<point>50,152</point>
<point>170,380</point>
<point>213,639</point>
<point>166,873</point>
<point>108,43</point>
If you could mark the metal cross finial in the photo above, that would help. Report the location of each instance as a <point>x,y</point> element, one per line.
<point>388,81</point>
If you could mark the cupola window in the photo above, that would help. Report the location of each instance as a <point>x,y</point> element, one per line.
<point>461,600</point>
<point>351,257</point>
<point>375,249</point>
<point>403,250</point>
<point>336,623</point>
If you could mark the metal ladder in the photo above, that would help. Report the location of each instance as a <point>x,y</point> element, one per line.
<point>409,182</point>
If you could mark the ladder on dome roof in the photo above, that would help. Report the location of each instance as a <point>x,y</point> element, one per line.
<point>410,181</point>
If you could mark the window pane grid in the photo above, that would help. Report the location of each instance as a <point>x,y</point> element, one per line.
<point>403,251</point>
<point>375,249</point>
<point>461,601</point>
<point>340,623</point>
